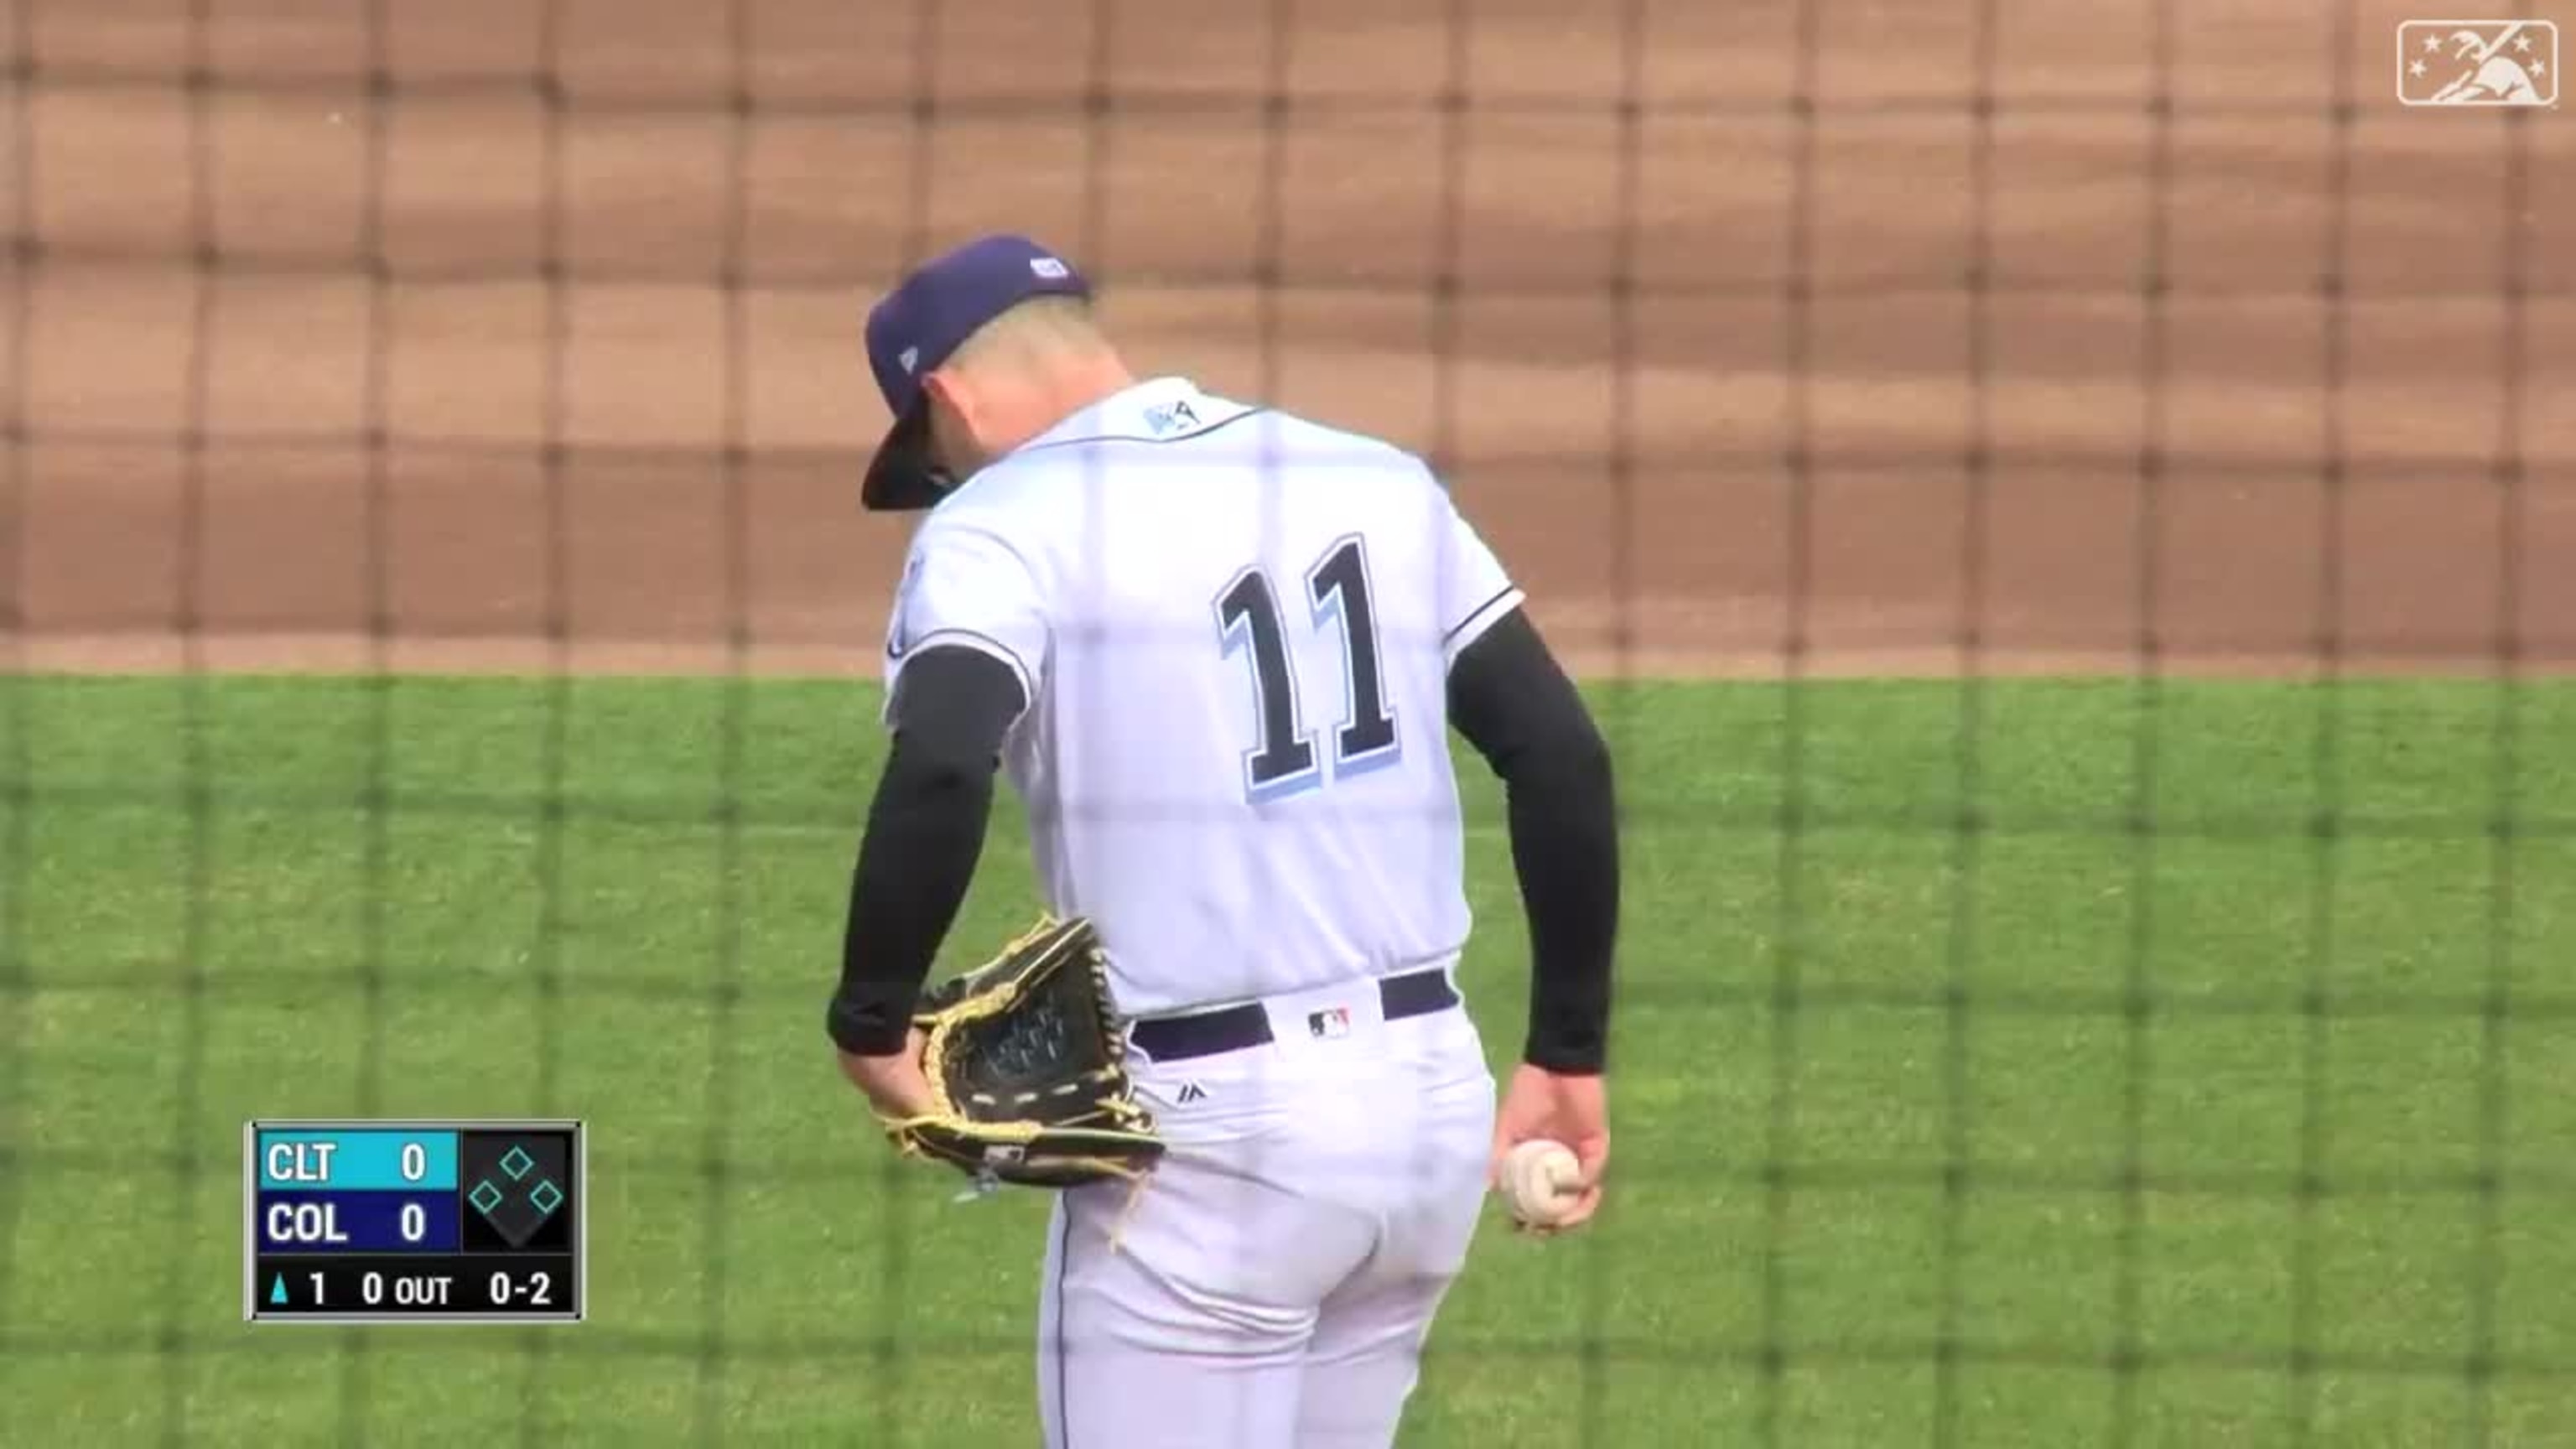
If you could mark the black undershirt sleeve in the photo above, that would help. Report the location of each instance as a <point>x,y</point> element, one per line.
<point>925,830</point>
<point>1510,700</point>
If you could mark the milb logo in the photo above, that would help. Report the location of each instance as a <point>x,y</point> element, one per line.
<point>2475,63</point>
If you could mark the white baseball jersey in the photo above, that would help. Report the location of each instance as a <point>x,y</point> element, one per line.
<point>1234,628</point>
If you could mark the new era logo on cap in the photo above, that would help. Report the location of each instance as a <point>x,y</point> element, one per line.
<point>1050,268</point>
<point>910,358</point>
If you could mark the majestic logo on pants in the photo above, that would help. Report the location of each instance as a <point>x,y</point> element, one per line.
<point>1329,1023</point>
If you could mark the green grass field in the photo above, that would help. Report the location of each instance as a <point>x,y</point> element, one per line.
<point>1881,1080</point>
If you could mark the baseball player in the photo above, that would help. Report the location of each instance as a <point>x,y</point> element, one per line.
<point>1218,650</point>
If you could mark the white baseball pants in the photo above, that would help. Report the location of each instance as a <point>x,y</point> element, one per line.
<point>1271,1285</point>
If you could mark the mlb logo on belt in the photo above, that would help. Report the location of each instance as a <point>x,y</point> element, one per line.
<point>2477,63</point>
<point>1329,1023</point>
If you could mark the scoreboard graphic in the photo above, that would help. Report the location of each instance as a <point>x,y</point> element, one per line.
<point>367,1221</point>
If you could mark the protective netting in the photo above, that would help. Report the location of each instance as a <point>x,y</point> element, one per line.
<point>1793,343</point>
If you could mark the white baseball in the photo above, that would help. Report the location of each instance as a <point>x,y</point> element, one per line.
<point>1539,1180</point>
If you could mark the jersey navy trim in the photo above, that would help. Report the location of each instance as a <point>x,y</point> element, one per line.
<point>982,644</point>
<point>1211,430</point>
<point>1039,447</point>
<point>1478,612</point>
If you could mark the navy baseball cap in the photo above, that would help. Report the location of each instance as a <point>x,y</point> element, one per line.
<point>920,324</point>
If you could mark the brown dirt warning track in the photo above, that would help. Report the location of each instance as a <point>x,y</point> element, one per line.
<point>2250,465</point>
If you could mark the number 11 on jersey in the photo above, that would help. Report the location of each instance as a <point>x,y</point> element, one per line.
<point>1285,761</point>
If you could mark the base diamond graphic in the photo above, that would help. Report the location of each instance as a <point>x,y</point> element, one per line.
<point>522,1185</point>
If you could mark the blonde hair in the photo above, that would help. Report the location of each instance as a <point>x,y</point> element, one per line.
<point>1039,330</point>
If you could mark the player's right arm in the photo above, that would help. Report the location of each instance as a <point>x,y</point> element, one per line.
<point>1512,701</point>
<point>963,650</point>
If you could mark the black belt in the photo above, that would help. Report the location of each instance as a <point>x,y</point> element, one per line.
<point>1233,1028</point>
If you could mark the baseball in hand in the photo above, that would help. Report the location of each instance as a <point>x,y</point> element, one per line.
<point>1540,1181</point>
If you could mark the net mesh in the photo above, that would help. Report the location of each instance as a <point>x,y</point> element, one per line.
<point>1783,342</point>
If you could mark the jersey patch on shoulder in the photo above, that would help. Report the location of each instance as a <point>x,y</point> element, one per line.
<point>1166,419</point>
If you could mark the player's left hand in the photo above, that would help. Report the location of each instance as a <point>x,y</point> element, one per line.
<point>893,1082</point>
<point>1574,1110</point>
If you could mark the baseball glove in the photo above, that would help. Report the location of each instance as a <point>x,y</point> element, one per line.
<point>1029,1069</point>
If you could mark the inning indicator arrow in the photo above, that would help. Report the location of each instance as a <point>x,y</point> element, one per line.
<point>277,1290</point>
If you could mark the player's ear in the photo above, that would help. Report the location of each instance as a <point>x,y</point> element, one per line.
<point>940,384</point>
<point>946,392</point>
<point>951,420</point>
